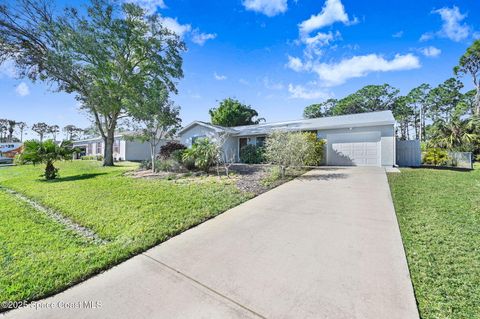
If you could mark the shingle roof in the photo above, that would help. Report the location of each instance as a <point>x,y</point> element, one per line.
<point>322,123</point>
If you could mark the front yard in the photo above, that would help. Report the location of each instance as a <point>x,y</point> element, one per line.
<point>439,216</point>
<point>40,256</point>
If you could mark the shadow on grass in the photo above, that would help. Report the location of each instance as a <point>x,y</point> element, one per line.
<point>73,178</point>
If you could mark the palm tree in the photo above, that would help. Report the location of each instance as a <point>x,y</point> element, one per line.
<point>47,152</point>
<point>456,134</point>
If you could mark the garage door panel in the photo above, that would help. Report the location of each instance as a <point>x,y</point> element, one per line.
<point>362,149</point>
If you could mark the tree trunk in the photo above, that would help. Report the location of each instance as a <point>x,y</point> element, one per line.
<point>477,102</point>
<point>108,148</point>
<point>152,156</point>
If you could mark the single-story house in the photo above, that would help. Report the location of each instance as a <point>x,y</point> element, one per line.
<point>124,149</point>
<point>364,139</point>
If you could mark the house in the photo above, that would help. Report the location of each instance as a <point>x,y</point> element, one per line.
<point>365,139</point>
<point>124,149</point>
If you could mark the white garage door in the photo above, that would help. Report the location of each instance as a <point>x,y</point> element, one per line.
<point>357,149</point>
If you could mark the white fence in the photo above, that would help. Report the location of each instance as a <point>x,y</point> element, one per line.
<point>409,153</point>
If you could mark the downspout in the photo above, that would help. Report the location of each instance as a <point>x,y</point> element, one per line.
<point>394,147</point>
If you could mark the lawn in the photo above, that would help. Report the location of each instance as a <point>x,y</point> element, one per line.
<point>439,216</point>
<point>40,256</point>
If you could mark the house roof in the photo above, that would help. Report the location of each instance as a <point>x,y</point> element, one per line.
<point>322,123</point>
<point>96,138</point>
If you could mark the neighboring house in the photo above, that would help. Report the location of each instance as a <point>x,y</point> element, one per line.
<point>365,139</point>
<point>124,149</point>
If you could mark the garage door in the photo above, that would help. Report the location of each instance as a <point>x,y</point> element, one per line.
<point>355,149</point>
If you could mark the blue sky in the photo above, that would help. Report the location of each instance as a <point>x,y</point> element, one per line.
<point>282,55</point>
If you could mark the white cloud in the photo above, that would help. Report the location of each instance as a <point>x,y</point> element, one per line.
<point>333,11</point>
<point>173,25</point>
<point>149,5</point>
<point>22,89</point>
<point>7,68</point>
<point>268,7</point>
<point>431,51</point>
<point>200,38</point>
<point>295,63</point>
<point>331,74</point>
<point>301,92</point>
<point>426,36</point>
<point>271,85</point>
<point>219,77</point>
<point>452,27</point>
<point>398,34</point>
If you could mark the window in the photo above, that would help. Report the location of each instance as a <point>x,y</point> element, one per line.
<point>243,141</point>
<point>260,141</point>
<point>99,148</point>
<point>116,146</point>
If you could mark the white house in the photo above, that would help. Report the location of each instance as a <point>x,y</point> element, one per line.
<point>364,139</point>
<point>124,149</point>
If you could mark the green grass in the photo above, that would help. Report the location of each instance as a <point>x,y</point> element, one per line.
<point>439,216</point>
<point>40,256</point>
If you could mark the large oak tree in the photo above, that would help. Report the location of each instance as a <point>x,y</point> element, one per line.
<point>99,54</point>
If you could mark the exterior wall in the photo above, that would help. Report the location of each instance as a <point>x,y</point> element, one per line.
<point>137,151</point>
<point>91,147</point>
<point>194,132</point>
<point>387,142</point>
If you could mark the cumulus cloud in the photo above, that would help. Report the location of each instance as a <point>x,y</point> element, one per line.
<point>302,92</point>
<point>173,25</point>
<point>200,38</point>
<point>22,89</point>
<point>149,5</point>
<point>332,74</point>
<point>269,8</point>
<point>295,63</point>
<point>219,77</point>
<point>452,26</point>
<point>431,51</point>
<point>332,11</point>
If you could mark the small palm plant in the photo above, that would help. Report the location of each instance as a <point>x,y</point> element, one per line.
<point>47,152</point>
<point>204,153</point>
<point>456,134</point>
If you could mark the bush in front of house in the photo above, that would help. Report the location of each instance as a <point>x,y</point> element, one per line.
<point>315,156</point>
<point>435,156</point>
<point>289,149</point>
<point>204,154</point>
<point>251,154</point>
<point>167,150</point>
<point>92,158</point>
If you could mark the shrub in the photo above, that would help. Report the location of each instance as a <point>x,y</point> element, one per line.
<point>251,154</point>
<point>203,153</point>
<point>93,157</point>
<point>167,150</point>
<point>315,156</point>
<point>273,175</point>
<point>435,156</point>
<point>287,149</point>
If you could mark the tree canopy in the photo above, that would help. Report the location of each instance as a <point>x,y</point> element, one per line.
<point>102,54</point>
<point>232,112</point>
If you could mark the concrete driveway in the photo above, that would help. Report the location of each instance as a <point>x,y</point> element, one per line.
<point>326,245</point>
